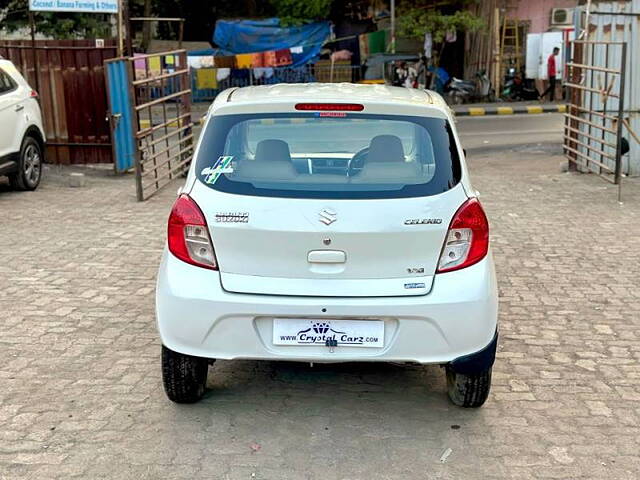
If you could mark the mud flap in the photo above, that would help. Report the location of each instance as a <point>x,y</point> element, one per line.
<point>477,362</point>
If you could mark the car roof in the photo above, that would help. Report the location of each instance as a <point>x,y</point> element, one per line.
<point>334,92</point>
<point>8,65</point>
<point>11,69</point>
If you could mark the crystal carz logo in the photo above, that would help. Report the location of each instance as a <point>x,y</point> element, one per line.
<point>319,332</point>
<point>328,332</point>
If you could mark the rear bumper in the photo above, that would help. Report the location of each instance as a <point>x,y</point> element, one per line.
<point>195,316</point>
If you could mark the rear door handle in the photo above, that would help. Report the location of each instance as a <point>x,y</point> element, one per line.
<point>327,256</point>
<point>19,108</point>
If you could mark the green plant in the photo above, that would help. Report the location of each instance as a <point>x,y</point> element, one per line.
<point>295,12</point>
<point>414,22</point>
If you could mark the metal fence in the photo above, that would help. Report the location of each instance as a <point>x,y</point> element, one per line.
<point>594,120</point>
<point>69,78</point>
<point>620,22</point>
<point>164,130</point>
<point>248,77</point>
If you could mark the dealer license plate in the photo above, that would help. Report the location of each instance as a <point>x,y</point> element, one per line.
<point>347,333</point>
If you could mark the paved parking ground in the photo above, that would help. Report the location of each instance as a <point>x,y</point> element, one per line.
<point>81,395</point>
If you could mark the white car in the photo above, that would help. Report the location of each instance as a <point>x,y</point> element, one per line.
<point>22,139</point>
<point>328,223</point>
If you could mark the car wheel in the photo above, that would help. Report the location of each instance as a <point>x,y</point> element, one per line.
<point>184,377</point>
<point>469,391</point>
<point>29,166</point>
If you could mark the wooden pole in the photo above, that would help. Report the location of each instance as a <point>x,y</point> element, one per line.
<point>120,28</point>
<point>127,29</point>
<point>393,26</point>
<point>146,27</point>
<point>331,71</point>
<point>497,61</point>
<point>36,70</point>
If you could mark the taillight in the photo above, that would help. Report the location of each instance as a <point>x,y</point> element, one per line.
<point>188,235</point>
<point>467,240</point>
<point>330,107</point>
<point>33,94</point>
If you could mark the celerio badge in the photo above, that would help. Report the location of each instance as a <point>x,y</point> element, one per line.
<point>423,221</point>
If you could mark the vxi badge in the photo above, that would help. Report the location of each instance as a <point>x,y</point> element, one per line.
<point>423,221</point>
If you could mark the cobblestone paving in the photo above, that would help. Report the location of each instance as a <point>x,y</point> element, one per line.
<point>81,395</point>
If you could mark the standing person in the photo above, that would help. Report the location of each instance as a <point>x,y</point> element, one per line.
<point>401,74</point>
<point>412,78</point>
<point>422,72</point>
<point>551,73</point>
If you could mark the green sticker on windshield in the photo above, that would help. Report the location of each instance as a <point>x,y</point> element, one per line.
<point>221,166</point>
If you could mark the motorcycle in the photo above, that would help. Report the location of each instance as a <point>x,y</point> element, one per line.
<point>517,88</point>
<point>459,91</point>
<point>483,87</point>
<point>463,91</point>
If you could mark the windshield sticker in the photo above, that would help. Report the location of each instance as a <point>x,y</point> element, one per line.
<point>331,114</point>
<point>223,165</point>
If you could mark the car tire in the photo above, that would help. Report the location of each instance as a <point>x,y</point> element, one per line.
<point>468,391</point>
<point>184,377</point>
<point>29,166</point>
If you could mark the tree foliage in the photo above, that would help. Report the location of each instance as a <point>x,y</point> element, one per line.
<point>200,16</point>
<point>414,22</point>
<point>415,17</point>
<point>299,11</point>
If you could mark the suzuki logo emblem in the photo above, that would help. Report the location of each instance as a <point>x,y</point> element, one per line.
<point>327,216</point>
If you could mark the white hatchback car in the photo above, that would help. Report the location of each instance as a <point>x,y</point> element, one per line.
<point>328,223</point>
<point>22,139</point>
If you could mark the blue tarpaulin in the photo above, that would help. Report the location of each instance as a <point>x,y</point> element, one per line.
<point>253,36</point>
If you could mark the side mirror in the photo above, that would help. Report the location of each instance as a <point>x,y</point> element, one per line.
<point>464,150</point>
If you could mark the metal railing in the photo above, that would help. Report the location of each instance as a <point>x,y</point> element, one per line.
<point>594,118</point>
<point>272,76</point>
<point>164,130</point>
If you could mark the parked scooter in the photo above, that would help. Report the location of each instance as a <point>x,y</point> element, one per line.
<point>459,91</point>
<point>517,88</point>
<point>463,91</point>
<point>483,87</point>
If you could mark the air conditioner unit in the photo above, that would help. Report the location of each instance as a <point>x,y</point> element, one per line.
<point>561,16</point>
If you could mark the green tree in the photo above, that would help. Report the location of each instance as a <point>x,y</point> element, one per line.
<point>414,22</point>
<point>295,12</point>
<point>200,16</point>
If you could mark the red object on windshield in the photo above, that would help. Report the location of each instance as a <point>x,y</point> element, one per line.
<point>330,107</point>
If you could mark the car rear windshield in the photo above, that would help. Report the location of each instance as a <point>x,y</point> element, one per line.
<point>331,155</point>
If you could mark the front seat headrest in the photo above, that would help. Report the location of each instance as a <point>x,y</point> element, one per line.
<point>385,148</point>
<point>272,150</point>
